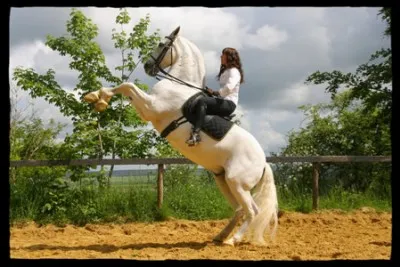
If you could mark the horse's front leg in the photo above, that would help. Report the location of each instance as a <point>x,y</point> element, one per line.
<point>229,227</point>
<point>142,102</point>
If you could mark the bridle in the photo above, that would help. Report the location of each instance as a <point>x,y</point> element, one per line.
<point>182,119</point>
<point>166,74</point>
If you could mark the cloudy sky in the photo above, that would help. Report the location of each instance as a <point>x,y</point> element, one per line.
<point>279,48</point>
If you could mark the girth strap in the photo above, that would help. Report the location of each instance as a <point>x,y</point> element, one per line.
<point>172,126</point>
<point>176,123</point>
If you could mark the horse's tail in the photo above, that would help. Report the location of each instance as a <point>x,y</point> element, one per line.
<point>266,199</point>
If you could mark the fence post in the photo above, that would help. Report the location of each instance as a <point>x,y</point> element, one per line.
<point>160,185</point>
<point>316,171</point>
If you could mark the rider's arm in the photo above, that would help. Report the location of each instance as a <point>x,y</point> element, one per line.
<point>211,92</point>
<point>232,81</point>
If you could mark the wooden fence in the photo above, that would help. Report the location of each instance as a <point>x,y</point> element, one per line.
<point>315,160</point>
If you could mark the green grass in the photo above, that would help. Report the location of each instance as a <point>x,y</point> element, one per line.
<point>344,200</point>
<point>130,180</point>
<point>186,196</point>
<point>196,201</point>
<point>133,204</point>
<point>336,198</point>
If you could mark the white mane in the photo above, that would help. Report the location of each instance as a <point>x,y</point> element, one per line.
<point>190,56</point>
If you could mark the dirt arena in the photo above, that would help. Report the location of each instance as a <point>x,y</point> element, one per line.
<point>324,235</point>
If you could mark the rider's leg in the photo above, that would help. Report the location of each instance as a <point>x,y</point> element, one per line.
<point>208,106</point>
<point>200,112</point>
<point>219,106</point>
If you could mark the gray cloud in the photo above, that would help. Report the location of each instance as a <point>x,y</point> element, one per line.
<point>355,36</point>
<point>317,39</point>
<point>269,73</point>
<point>28,24</point>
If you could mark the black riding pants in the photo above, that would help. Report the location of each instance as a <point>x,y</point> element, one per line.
<point>211,106</point>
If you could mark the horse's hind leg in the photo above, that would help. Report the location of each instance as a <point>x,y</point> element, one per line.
<point>249,206</point>
<point>225,190</point>
<point>229,227</point>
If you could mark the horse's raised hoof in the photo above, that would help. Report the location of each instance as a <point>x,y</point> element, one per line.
<point>92,97</point>
<point>100,105</point>
<point>105,95</point>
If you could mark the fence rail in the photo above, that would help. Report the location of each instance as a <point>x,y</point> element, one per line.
<point>160,162</point>
<point>151,161</point>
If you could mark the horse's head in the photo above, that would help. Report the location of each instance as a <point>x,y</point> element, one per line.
<point>162,56</point>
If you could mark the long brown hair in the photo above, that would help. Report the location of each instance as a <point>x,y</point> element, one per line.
<point>233,60</point>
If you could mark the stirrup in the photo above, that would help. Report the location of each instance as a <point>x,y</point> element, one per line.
<point>194,139</point>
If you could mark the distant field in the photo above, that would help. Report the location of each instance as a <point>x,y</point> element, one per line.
<point>139,177</point>
<point>142,172</point>
<point>125,182</point>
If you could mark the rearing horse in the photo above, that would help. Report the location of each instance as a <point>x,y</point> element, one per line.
<point>236,159</point>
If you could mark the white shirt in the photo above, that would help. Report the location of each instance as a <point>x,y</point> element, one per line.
<point>230,84</point>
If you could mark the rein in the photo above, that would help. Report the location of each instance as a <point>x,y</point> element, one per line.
<point>177,80</point>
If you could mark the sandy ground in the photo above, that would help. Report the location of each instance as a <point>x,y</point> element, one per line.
<point>324,235</point>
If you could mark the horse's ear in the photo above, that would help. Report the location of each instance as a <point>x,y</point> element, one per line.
<point>176,31</point>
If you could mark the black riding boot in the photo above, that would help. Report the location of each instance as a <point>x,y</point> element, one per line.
<point>194,137</point>
<point>200,111</point>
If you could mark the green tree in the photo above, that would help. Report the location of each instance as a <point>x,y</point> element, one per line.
<point>339,128</point>
<point>371,83</point>
<point>356,122</point>
<point>116,132</point>
<point>30,138</point>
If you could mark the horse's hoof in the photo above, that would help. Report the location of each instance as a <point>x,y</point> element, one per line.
<point>92,97</point>
<point>259,243</point>
<point>229,242</point>
<point>217,239</point>
<point>105,95</point>
<point>100,105</point>
<point>217,242</point>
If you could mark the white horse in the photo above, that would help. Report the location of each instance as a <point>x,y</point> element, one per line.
<point>237,160</point>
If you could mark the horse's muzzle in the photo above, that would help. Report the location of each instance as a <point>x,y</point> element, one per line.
<point>150,69</point>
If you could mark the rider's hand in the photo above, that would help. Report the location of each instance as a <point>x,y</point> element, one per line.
<point>210,91</point>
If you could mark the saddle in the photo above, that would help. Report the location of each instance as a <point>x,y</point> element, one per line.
<point>214,126</point>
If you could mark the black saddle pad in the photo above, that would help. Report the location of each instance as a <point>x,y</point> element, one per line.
<point>214,126</point>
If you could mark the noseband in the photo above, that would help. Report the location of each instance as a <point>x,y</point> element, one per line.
<point>157,61</point>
